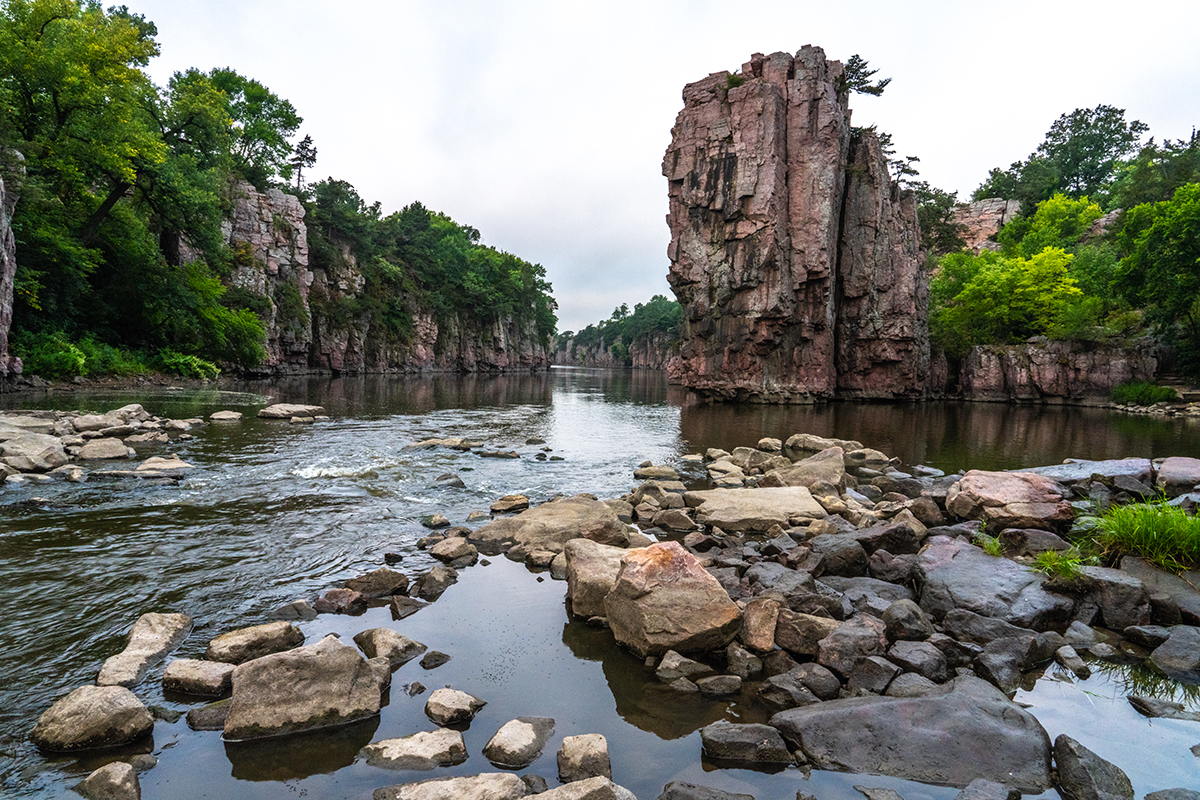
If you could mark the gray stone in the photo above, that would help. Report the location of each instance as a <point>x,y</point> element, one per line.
<point>741,662</point>
<point>719,685</point>
<point>591,570</point>
<point>434,659</point>
<point>582,757</point>
<point>905,621</point>
<point>878,793</point>
<point>744,743</point>
<point>678,790</point>
<point>225,416</point>
<point>785,691</point>
<point>896,537</point>
<point>323,684</point>
<point>858,637</point>
<point>425,750</point>
<point>872,674</point>
<point>519,742</point>
<point>295,610</point>
<point>486,786</point>
<point>387,643</point>
<point>801,634</point>
<point>862,586</point>
<point>237,647</point>
<point>1180,588</point>
<point>340,601</point>
<point>1083,775</point>
<point>104,448</point>
<point>115,781</point>
<point>150,639</point>
<point>196,677</point>
<point>1166,709</point>
<point>551,525</point>
<point>910,684</point>
<point>33,452</point>
<point>599,788</point>
<point>448,706</point>
<point>968,730</point>
<point>921,658</point>
<point>92,717</point>
<point>1070,659</point>
<point>435,582</point>
<point>674,666</point>
<point>1124,600</point>
<point>1076,470</point>
<point>289,410</point>
<point>1148,636</point>
<point>967,626</point>
<point>983,789</point>
<point>210,717</point>
<point>753,510</point>
<point>382,582</point>
<point>1179,655</point>
<point>769,576</point>
<point>840,555</point>
<point>827,465</point>
<point>1174,794</point>
<point>405,606</point>
<point>1178,475</point>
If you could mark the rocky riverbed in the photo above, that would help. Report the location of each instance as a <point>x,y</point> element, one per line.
<point>837,592</point>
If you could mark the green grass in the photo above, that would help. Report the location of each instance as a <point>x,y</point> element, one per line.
<point>989,544</point>
<point>1162,534</point>
<point>1061,565</point>
<point>1141,393</point>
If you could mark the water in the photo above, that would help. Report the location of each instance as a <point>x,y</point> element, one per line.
<point>275,512</point>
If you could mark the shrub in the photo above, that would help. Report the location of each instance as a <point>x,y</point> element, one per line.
<point>1141,393</point>
<point>1163,534</point>
<point>186,366</point>
<point>50,355</point>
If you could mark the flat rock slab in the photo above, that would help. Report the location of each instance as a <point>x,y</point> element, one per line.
<point>289,410</point>
<point>323,684</point>
<point>1179,656</point>
<point>592,570</point>
<point>197,677</point>
<point>486,786</point>
<point>91,717</point>
<point>1076,470</point>
<point>1178,475</point>
<point>519,742</point>
<point>247,644</point>
<point>105,448</point>
<point>747,743</point>
<point>425,750</point>
<point>590,789</point>
<point>152,637</point>
<point>753,510</point>
<point>226,416</point>
<point>956,574</point>
<point>448,706</point>
<point>551,525</point>
<point>1010,500</point>
<point>965,730</point>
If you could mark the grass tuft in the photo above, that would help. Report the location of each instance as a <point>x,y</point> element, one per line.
<point>1141,393</point>
<point>1163,534</point>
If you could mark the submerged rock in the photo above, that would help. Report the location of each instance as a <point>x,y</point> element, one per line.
<point>92,717</point>
<point>678,790</point>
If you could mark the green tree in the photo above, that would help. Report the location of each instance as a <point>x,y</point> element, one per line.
<point>263,123</point>
<point>1158,171</point>
<point>304,157</point>
<point>1058,222</point>
<point>856,77</point>
<point>935,214</point>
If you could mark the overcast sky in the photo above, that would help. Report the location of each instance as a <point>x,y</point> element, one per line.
<point>543,122</point>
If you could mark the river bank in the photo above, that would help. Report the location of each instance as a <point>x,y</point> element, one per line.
<point>646,682</point>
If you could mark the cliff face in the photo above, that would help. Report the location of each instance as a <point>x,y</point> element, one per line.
<point>655,351</point>
<point>12,169</point>
<point>762,249</point>
<point>983,219</point>
<point>1049,371</point>
<point>312,324</point>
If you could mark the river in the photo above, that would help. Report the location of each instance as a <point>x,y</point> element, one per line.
<point>275,512</point>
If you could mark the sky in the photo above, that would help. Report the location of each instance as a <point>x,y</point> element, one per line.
<point>543,123</point>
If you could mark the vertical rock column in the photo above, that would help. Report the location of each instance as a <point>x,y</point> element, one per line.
<point>11,171</point>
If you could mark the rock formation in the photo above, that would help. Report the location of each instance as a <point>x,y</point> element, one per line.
<point>650,352</point>
<point>983,219</point>
<point>1041,370</point>
<point>796,262</point>
<point>9,365</point>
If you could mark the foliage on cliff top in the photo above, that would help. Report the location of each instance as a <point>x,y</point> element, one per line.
<point>624,329</point>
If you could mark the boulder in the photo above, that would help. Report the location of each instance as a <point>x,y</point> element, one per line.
<point>1124,601</point>
<point>598,788</point>
<point>872,674</point>
<point>382,582</point>
<point>922,658</point>
<point>92,717</point>
<point>664,600</point>
<point>322,684</point>
<point>289,410</point>
<point>769,576</point>
<point>551,525</point>
<point>33,452</point>
<point>962,731</point>
<point>956,574</point>
<point>1083,775</point>
<point>910,684</point>
<point>1010,500</point>
<point>487,786</point>
<point>801,445</point>
<point>519,742</point>
<point>448,706</point>
<point>905,621</point>
<point>197,677</point>
<point>582,757</point>
<point>1167,709</point>
<point>1178,475</point>
<point>1179,655</point>
<point>719,685</point>
<point>828,466</point>
<point>225,416</point>
<point>678,790</point>
<point>210,717</point>
<point>674,666</point>
<point>425,750</point>
<point>896,537</point>
<point>510,503</point>
<point>800,634</point>
<point>785,691</point>
<point>753,510</point>
<point>1076,470</point>
<point>746,743</point>
<point>1181,590</point>
<point>983,789</point>
<point>656,473</point>
<point>840,555</point>
<point>340,601</point>
<point>159,467</point>
<point>237,647</point>
<point>115,781</point>
<point>150,639</point>
<point>387,643</point>
<point>105,448</point>
<point>592,570</point>
<point>1175,794</point>
<point>454,550</point>
<point>860,636</point>
<point>759,619</point>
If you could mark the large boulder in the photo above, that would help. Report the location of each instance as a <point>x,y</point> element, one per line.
<point>323,684</point>
<point>1124,601</point>
<point>245,644</point>
<point>92,717</point>
<point>964,730</point>
<point>519,742</point>
<point>664,600</point>
<point>1181,589</point>
<point>1010,500</point>
<point>1178,475</point>
<point>1083,775</point>
<point>150,639</point>
<point>592,570</point>
<point>754,510</point>
<point>551,525</point>
<point>105,448</point>
<point>955,574</point>
<point>827,466</point>
<point>487,786</point>
<point>859,637</point>
<point>289,410</point>
<point>33,452</point>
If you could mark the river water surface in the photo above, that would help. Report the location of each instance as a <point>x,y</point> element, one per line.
<point>275,512</point>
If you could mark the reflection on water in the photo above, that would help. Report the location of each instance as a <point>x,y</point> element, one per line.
<point>301,755</point>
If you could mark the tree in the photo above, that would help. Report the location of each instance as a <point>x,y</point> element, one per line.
<point>1087,145</point>
<point>1058,222</point>
<point>935,214</point>
<point>263,123</point>
<point>1158,171</point>
<point>857,78</point>
<point>304,157</point>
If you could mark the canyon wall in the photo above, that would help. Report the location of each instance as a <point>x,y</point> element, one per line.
<point>777,208</point>
<point>11,172</point>
<point>649,352</point>
<point>1049,371</point>
<point>983,219</point>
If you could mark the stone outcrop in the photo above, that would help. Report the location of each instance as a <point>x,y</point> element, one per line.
<point>797,263</point>
<point>1054,371</point>
<point>655,351</point>
<point>983,219</point>
<point>10,179</point>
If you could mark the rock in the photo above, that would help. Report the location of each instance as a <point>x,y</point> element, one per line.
<point>582,757</point>
<point>340,601</point>
<point>768,576</point>
<point>434,659</point>
<point>800,634</point>
<point>967,730</point>
<point>744,743</point>
<point>897,537</point>
<point>1179,656</point>
<point>891,568</point>
<point>158,467</point>
<point>425,750</point>
<point>487,786</point>
<point>981,220</point>
<point>1077,470</point>
<point>664,600</point>
<point>519,742</point>
<point>1148,636</point>
<point>674,666</point>
<point>740,662</point>
<point>405,606</point>
<point>872,674</point>
<point>1070,659</point>
<point>599,788</point>
<point>753,510</point>
<point>210,717</point>
<point>592,570</point>
<point>551,525</point>
<point>1124,601</point>
<point>115,781</point>
<point>289,410</point>
<point>719,685</point>
<point>454,550</point>
<point>382,582</point>
<point>759,619</point>
<point>1010,500</point>
<point>858,637</point>
<point>1083,775</point>
<point>33,452</point>
<point>1178,475</point>
<point>150,639</point>
<point>510,503</point>
<point>435,522</point>
<point>659,473</point>
<point>322,684</point>
<point>673,519</point>
<point>921,658</point>
<point>449,706</point>
<point>905,621</point>
<point>840,555</point>
<point>828,466</point>
<point>1180,589</point>
<point>147,438</point>
<point>237,647</point>
<point>387,643</point>
<point>1174,794</point>
<point>99,449</point>
<point>959,575</point>
<point>983,789</point>
<point>200,678</point>
<point>448,481</point>
<point>786,691</point>
<point>1167,709</point>
<point>92,717</point>
<point>678,790</point>
<point>910,684</point>
<point>435,582</point>
<point>225,416</point>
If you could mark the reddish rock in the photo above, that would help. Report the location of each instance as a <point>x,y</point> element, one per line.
<point>12,173</point>
<point>1010,500</point>
<point>983,219</point>
<point>1040,368</point>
